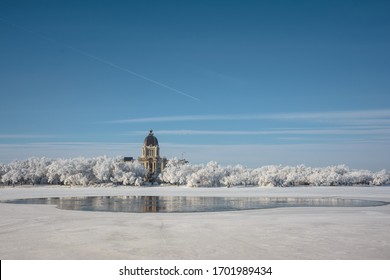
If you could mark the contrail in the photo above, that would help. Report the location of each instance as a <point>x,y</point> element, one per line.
<point>99,59</point>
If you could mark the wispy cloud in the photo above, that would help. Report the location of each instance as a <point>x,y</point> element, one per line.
<point>29,136</point>
<point>370,116</point>
<point>179,118</point>
<point>385,131</point>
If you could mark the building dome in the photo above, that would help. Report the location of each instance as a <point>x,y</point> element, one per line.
<point>150,140</point>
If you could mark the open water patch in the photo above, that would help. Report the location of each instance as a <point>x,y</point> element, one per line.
<point>172,204</point>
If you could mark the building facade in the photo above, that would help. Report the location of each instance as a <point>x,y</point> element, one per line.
<point>151,159</point>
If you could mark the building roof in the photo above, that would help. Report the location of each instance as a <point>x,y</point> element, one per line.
<point>150,140</point>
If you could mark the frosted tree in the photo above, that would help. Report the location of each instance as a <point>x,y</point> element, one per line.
<point>127,173</point>
<point>4,169</point>
<point>381,178</point>
<point>37,169</point>
<point>103,169</point>
<point>16,173</point>
<point>177,172</point>
<point>236,176</point>
<point>54,171</point>
<point>77,171</point>
<point>207,176</point>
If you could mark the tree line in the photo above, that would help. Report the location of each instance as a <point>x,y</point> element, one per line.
<point>104,170</point>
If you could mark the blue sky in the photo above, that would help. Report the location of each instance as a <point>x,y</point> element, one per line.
<point>250,82</point>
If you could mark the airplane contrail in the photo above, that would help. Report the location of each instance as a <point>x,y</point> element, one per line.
<point>101,60</point>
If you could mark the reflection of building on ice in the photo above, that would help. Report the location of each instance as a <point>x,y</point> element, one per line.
<point>151,204</point>
<point>151,159</point>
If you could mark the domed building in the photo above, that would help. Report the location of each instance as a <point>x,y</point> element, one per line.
<point>151,159</point>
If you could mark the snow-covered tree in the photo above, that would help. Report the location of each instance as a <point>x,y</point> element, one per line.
<point>103,169</point>
<point>209,175</point>
<point>380,178</point>
<point>4,168</point>
<point>16,173</point>
<point>176,172</point>
<point>127,173</point>
<point>236,176</point>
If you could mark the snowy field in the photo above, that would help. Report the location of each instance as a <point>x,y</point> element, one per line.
<point>45,232</point>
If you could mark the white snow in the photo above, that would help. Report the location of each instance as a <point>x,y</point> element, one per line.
<point>45,232</point>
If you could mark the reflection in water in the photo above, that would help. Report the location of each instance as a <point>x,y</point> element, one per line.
<point>142,204</point>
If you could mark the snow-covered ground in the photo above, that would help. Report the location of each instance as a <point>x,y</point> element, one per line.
<point>45,232</point>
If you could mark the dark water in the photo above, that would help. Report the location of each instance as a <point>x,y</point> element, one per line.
<point>143,204</point>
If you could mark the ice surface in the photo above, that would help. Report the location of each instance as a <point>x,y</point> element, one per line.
<point>44,232</point>
<point>186,204</point>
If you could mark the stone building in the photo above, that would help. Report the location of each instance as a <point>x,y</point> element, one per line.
<point>151,159</point>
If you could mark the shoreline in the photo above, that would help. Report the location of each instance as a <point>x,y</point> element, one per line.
<point>160,190</point>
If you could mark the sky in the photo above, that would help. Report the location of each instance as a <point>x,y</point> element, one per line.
<point>239,82</point>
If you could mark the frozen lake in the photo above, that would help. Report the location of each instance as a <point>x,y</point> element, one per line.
<point>177,204</point>
<point>34,231</point>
